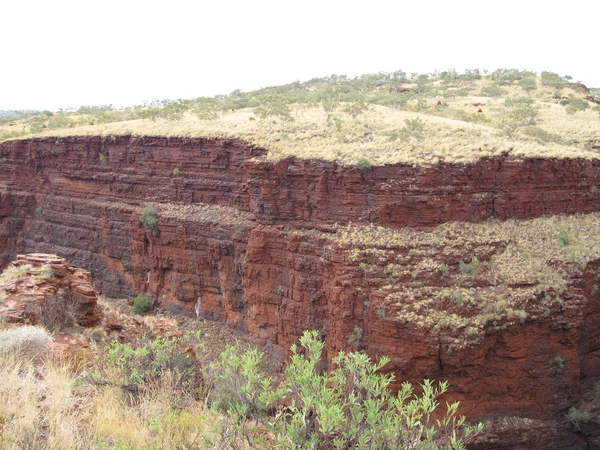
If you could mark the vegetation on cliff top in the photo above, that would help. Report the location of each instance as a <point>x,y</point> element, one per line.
<point>382,118</point>
<point>460,280</point>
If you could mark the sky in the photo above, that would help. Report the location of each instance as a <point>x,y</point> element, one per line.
<point>64,54</point>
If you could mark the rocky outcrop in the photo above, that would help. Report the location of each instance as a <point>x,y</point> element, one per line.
<point>41,288</point>
<point>257,244</point>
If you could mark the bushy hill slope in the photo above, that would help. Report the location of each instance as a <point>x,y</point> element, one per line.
<point>385,118</point>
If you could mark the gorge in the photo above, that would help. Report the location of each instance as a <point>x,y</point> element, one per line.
<point>412,262</point>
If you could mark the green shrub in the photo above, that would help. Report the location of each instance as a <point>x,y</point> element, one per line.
<point>564,239</point>
<point>244,393</point>
<point>355,337</point>
<point>444,268</point>
<point>381,311</point>
<point>364,165</point>
<point>578,417</point>
<point>141,305</point>
<point>559,363</point>
<point>493,91</point>
<point>574,104</point>
<point>149,217</point>
<point>553,80</point>
<point>176,171</point>
<point>149,361</point>
<point>350,406</point>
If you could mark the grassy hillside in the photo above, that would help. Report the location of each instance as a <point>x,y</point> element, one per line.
<point>385,118</point>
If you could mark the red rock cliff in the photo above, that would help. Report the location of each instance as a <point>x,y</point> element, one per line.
<point>256,242</point>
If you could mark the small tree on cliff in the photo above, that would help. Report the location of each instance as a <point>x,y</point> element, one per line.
<point>149,217</point>
<point>349,407</point>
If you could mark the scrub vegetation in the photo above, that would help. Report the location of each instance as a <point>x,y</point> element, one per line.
<point>372,119</point>
<point>151,394</point>
<point>461,280</point>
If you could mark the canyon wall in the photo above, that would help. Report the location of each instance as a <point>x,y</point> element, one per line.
<point>255,242</point>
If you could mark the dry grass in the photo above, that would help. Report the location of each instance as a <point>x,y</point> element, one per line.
<point>50,405</point>
<point>454,130</point>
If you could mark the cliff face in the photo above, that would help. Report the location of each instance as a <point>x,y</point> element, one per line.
<point>258,243</point>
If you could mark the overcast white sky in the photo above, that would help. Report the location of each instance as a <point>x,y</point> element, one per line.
<point>63,53</point>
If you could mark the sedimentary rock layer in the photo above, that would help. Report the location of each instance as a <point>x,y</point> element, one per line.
<point>254,241</point>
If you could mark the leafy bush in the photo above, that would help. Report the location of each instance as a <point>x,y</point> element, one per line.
<point>141,305</point>
<point>364,165</point>
<point>46,272</point>
<point>149,217</point>
<point>574,104</point>
<point>355,337</point>
<point>276,109</point>
<point>553,80</point>
<point>243,393</point>
<point>176,171</point>
<point>381,311</point>
<point>564,239</point>
<point>355,109</point>
<point>444,268</point>
<point>528,84</point>
<point>349,407</point>
<point>413,128</point>
<point>578,417</point>
<point>24,342</point>
<point>149,361</point>
<point>493,91</point>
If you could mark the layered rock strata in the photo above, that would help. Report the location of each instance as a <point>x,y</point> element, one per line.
<point>39,287</point>
<point>261,245</point>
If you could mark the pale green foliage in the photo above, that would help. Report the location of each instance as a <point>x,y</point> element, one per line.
<point>350,406</point>
<point>574,104</point>
<point>578,417</point>
<point>148,362</point>
<point>355,109</point>
<point>493,91</point>
<point>364,165</point>
<point>564,239</point>
<point>381,311</point>
<point>149,217</point>
<point>543,135</point>
<point>176,171</point>
<point>276,109</point>
<point>356,336</point>
<point>206,112</point>
<point>244,394</point>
